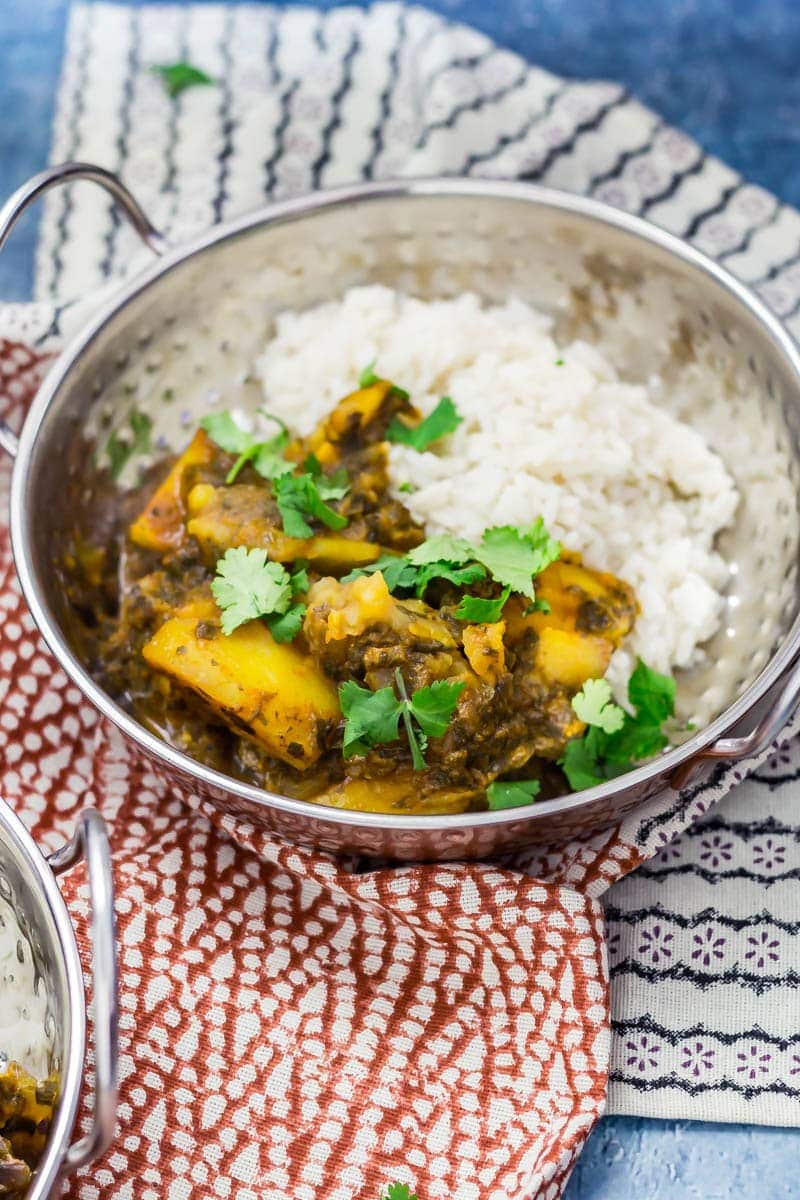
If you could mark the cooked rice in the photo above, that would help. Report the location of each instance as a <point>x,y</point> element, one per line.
<point>548,429</point>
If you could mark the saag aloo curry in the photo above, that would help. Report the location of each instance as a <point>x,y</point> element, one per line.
<point>268,605</point>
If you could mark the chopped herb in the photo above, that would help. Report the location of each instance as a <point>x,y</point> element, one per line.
<point>399,1191</point>
<point>480,611</point>
<point>512,794</point>
<point>299,578</point>
<point>168,395</point>
<point>368,376</point>
<point>407,487</point>
<point>284,627</point>
<point>594,706</point>
<point>248,586</point>
<point>559,362</point>
<point>612,745</point>
<point>537,606</point>
<point>444,419</point>
<point>461,576</point>
<point>120,450</point>
<point>330,487</point>
<point>266,455</point>
<point>443,547</point>
<point>178,76</point>
<point>514,556</point>
<point>298,497</point>
<point>373,718</point>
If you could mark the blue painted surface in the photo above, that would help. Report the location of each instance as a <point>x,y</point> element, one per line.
<point>727,72</point>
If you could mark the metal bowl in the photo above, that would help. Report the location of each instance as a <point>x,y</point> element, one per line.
<point>27,882</point>
<point>436,238</point>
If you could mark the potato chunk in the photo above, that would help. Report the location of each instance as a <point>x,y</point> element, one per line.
<point>275,692</point>
<point>160,526</point>
<point>570,658</point>
<point>357,420</point>
<point>403,792</point>
<point>244,515</point>
<point>485,651</point>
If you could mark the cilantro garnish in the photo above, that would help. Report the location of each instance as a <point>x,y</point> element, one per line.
<point>373,718</point>
<point>594,706</point>
<point>368,376</point>
<point>407,487</point>
<point>301,496</point>
<point>612,744</point>
<point>120,450</point>
<point>511,556</point>
<point>398,1191</point>
<point>330,487</point>
<point>514,556</point>
<point>480,611</point>
<point>444,419</point>
<point>512,793</point>
<point>248,586</point>
<point>266,455</point>
<point>178,76</point>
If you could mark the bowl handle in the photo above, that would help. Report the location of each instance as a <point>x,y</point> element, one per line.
<point>90,840</point>
<point>68,172</point>
<point>751,744</point>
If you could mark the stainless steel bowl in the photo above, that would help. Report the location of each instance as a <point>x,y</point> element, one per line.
<point>27,881</point>
<point>437,238</point>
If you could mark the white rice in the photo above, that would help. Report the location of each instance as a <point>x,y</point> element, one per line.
<point>23,1004</point>
<point>548,429</point>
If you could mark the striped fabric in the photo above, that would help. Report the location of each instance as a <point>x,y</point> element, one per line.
<point>704,940</point>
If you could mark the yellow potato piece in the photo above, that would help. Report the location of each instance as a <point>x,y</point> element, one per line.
<point>350,608</point>
<point>220,518</point>
<point>274,691</point>
<point>485,651</point>
<point>160,525</point>
<point>400,793</point>
<point>352,414</point>
<point>570,658</point>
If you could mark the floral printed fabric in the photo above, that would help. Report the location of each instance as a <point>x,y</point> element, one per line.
<point>285,1021</point>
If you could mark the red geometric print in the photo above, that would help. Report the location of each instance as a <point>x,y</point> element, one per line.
<point>291,1028</point>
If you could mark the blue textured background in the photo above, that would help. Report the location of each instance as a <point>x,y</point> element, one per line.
<point>728,72</point>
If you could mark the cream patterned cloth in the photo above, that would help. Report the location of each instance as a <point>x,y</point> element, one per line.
<point>704,939</point>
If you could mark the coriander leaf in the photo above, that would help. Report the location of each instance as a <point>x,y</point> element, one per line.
<point>330,487</point>
<point>509,557</point>
<point>651,694</point>
<point>443,547</point>
<point>594,705</point>
<point>368,376</point>
<point>444,419</point>
<point>537,606</point>
<point>371,718</point>
<point>297,497</point>
<point>299,579</point>
<point>284,627</point>
<point>397,572</point>
<point>399,1191</point>
<point>545,547</point>
<point>462,576</point>
<point>407,487</point>
<point>248,586</point>
<point>417,740</point>
<point>267,460</point>
<point>178,76</point>
<point>120,450</point>
<point>480,611</point>
<point>512,793</point>
<point>223,430</point>
<point>433,706</point>
<point>582,761</point>
<point>635,740</point>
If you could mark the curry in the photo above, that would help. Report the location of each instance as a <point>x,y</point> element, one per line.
<point>267,605</point>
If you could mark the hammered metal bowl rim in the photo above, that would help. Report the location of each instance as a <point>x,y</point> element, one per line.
<point>293,211</point>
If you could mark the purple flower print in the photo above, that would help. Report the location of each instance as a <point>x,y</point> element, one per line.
<point>715,850</point>
<point>670,849</point>
<point>795,1070</point>
<point>754,1062</point>
<point>655,943</point>
<point>780,757</point>
<point>769,854</point>
<point>642,1053</point>
<point>697,1057</point>
<point>709,946</point>
<point>614,945</point>
<point>763,948</point>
